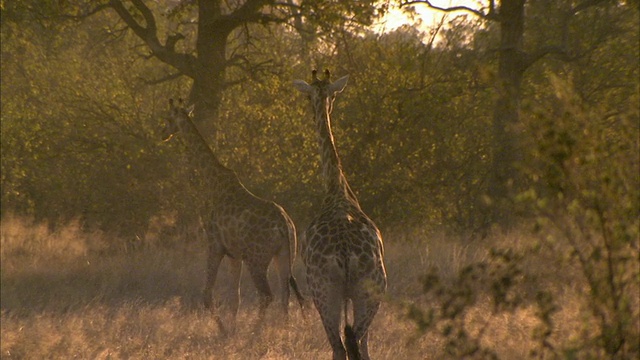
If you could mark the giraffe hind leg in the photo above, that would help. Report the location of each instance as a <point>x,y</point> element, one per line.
<point>283,268</point>
<point>330,313</point>
<point>213,264</point>
<point>364,310</point>
<point>235,271</point>
<point>259,277</point>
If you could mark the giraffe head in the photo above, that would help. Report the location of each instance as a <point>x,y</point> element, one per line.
<point>321,92</point>
<point>179,114</point>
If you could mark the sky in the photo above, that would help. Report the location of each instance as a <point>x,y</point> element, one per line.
<point>425,17</point>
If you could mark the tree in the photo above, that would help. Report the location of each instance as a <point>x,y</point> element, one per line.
<point>218,35</point>
<point>514,59</point>
<point>212,44</point>
<point>76,142</point>
<point>580,160</point>
<point>414,131</point>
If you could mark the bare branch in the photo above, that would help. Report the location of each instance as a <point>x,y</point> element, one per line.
<point>147,14</point>
<point>586,4</point>
<point>172,40</point>
<point>148,34</point>
<point>490,15</point>
<point>250,12</point>
<point>244,63</point>
<point>162,79</point>
<point>559,51</point>
<point>85,14</point>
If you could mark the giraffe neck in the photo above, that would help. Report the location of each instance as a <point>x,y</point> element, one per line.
<point>205,160</point>
<point>335,182</point>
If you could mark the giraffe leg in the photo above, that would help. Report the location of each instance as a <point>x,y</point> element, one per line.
<point>259,277</point>
<point>364,346</point>
<point>283,268</point>
<point>330,309</point>
<point>213,263</point>
<point>235,272</point>
<point>364,310</point>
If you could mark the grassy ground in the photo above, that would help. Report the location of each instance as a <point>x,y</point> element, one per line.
<point>67,294</point>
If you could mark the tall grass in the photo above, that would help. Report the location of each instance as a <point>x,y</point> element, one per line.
<point>71,293</point>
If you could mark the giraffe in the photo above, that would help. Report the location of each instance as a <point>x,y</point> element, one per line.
<point>242,226</point>
<point>344,251</point>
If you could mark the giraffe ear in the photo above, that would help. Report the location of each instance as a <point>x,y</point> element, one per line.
<point>338,85</point>
<point>302,86</point>
<point>190,109</point>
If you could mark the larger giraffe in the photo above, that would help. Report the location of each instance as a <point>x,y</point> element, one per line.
<point>241,225</point>
<point>344,251</point>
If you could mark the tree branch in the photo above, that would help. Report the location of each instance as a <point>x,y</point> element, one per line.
<point>249,12</point>
<point>148,34</point>
<point>147,14</point>
<point>585,5</point>
<point>162,79</point>
<point>85,14</point>
<point>172,40</point>
<point>560,51</point>
<point>182,62</point>
<point>490,15</point>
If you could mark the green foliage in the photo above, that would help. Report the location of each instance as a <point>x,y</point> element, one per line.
<point>586,197</point>
<point>76,142</point>
<point>583,166</point>
<point>81,109</point>
<point>395,108</point>
<point>408,132</point>
<point>411,129</point>
<point>579,131</point>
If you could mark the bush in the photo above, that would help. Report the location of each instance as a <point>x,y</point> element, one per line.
<point>583,167</point>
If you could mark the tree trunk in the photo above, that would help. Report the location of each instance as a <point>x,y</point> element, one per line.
<point>208,84</point>
<point>506,110</point>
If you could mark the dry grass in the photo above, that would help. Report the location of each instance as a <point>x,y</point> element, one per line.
<point>68,294</point>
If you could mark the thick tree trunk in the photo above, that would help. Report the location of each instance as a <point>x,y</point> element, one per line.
<point>506,116</point>
<point>208,83</point>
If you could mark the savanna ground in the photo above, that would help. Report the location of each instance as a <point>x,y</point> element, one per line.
<point>69,293</point>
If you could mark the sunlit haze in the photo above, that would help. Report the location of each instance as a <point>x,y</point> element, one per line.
<point>422,16</point>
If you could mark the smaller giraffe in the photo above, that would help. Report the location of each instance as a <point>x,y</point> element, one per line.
<point>344,251</point>
<point>241,226</point>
